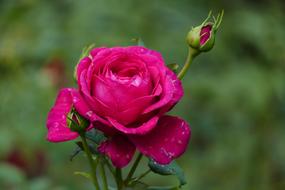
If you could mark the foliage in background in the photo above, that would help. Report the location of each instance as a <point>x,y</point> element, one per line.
<point>234,97</point>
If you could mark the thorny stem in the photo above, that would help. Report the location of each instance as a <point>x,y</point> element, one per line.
<point>91,162</point>
<point>133,169</point>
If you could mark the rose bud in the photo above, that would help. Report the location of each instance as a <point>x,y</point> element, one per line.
<point>76,122</point>
<point>202,38</point>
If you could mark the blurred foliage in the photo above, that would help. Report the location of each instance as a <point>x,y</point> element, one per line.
<point>234,95</point>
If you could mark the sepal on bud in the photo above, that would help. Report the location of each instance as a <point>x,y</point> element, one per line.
<point>76,122</point>
<point>202,37</point>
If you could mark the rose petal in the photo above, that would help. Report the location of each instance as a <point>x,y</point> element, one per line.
<point>83,109</point>
<point>83,64</point>
<point>139,130</point>
<point>148,55</point>
<point>205,34</point>
<point>95,51</point>
<point>119,149</point>
<point>171,94</point>
<point>167,141</point>
<point>57,122</point>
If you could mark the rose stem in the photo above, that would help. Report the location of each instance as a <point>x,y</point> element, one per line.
<point>110,168</point>
<point>133,169</point>
<point>191,54</point>
<point>143,174</point>
<point>103,174</point>
<point>92,164</point>
<point>119,178</point>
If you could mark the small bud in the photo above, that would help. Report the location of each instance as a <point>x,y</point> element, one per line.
<point>76,122</point>
<point>202,38</point>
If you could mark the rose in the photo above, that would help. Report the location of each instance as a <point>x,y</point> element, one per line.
<point>125,92</point>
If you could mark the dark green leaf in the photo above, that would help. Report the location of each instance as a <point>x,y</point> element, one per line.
<point>95,136</point>
<point>92,148</point>
<point>171,169</point>
<point>75,152</point>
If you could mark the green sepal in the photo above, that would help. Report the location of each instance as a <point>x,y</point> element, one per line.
<point>173,66</point>
<point>139,42</point>
<point>76,122</point>
<point>170,169</point>
<point>84,53</point>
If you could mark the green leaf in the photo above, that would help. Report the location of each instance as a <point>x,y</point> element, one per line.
<point>83,174</point>
<point>95,136</point>
<point>171,169</point>
<point>139,41</point>
<point>85,52</point>
<point>92,148</point>
<point>173,66</point>
<point>75,152</point>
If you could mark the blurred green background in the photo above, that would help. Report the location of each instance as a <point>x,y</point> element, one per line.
<point>234,95</point>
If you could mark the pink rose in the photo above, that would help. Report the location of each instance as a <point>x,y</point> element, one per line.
<point>125,92</point>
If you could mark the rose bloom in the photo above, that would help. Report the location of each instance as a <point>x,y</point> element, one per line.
<point>124,92</point>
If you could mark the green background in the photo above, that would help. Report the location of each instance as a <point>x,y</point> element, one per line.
<point>234,95</point>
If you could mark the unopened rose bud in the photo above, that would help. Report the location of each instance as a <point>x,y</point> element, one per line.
<point>76,122</point>
<point>202,38</point>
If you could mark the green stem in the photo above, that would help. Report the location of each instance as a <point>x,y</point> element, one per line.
<point>192,53</point>
<point>143,174</point>
<point>103,174</point>
<point>92,164</point>
<point>110,168</point>
<point>133,169</point>
<point>119,178</point>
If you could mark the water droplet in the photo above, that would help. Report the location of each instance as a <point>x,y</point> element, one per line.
<point>89,113</point>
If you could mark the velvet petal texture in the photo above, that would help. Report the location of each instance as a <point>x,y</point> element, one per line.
<point>119,149</point>
<point>167,141</point>
<point>57,118</point>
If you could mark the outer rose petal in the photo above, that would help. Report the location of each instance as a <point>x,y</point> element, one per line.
<point>166,142</point>
<point>83,64</point>
<point>138,130</point>
<point>172,93</point>
<point>83,109</point>
<point>119,149</point>
<point>56,121</point>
